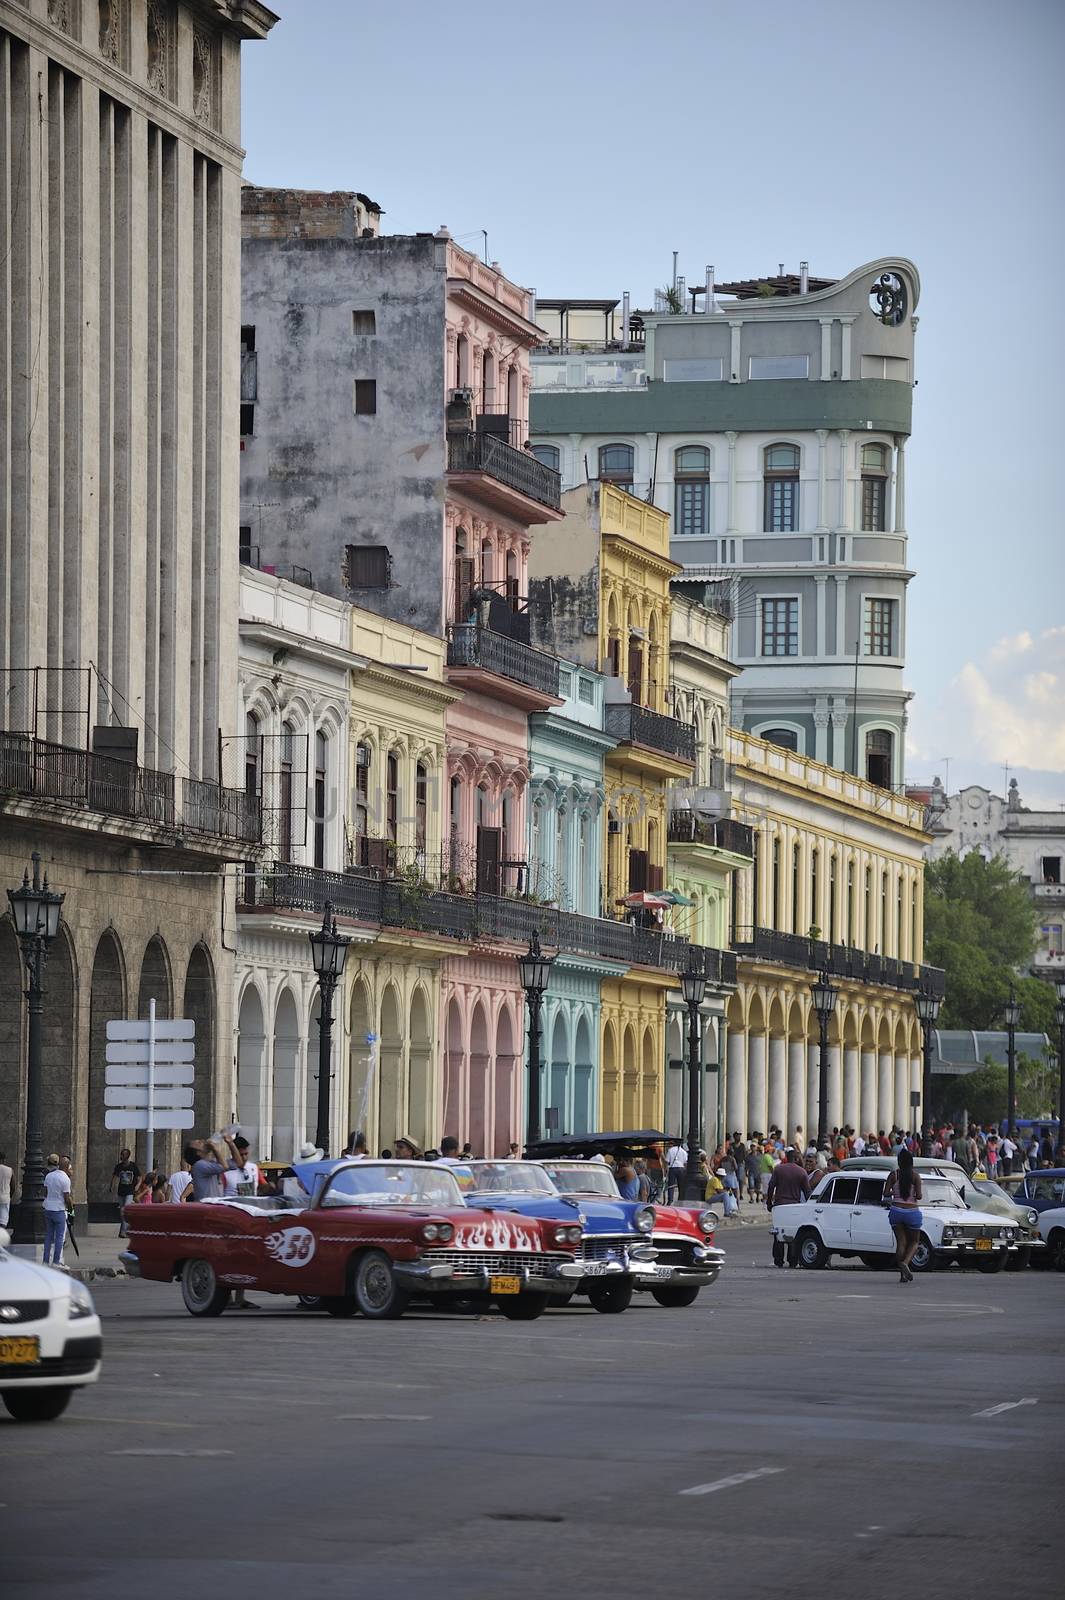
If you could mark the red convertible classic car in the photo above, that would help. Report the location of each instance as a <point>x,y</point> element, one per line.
<point>370,1237</point>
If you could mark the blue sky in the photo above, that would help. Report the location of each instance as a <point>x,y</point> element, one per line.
<point>591,140</point>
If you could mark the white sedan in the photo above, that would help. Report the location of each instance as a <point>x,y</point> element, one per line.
<point>1052,1229</point>
<point>50,1338</point>
<point>846,1216</point>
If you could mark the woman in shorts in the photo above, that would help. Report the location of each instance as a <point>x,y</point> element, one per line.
<point>903,1194</point>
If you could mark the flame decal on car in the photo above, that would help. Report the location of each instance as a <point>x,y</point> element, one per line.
<point>498,1233</point>
<point>293,1247</point>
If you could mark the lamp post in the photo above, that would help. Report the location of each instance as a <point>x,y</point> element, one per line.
<point>35,912</point>
<point>927,1007</point>
<point>824,998</point>
<point>534,969</point>
<point>1059,1016</point>
<point>693,987</point>
<point>328,951</point>
<point>1013,1016</point>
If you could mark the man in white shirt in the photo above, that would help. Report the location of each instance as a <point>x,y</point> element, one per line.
<point>858,1147</point>
<point>56,1205</point>
<point>676,1165</point>
<point>449,1151</point>
<point>5,1190</point>
<point>179,1182</point>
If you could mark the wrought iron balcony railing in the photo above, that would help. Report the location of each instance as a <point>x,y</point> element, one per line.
<point>84,780</point>
<point>469,645</point>
<point>686,827</point>
<point>838,960</point>
<point>515,469</point>
<point>631,724</point>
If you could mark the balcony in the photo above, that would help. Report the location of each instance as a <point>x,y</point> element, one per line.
<point>1049,891</point>
<point>511,480</point>
<point>84,781</point>
<point>838,960</point>
<point>474,918</point>
<point>521,674</point>
<point>685,827</point>
<point>650,730</point>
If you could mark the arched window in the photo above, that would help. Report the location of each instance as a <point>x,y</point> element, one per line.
<point>363,759</point>
<point>513,581</point>
<point>883,913</point>
<point>465,574</point>
<point>421,807</point>
<point>616,464</point>
<point>832,896</point>
<point>815,887</point>
<point>848,937</point>
<point>796,891</point>
<point>786,738</point>
<point>321,755</point>
<point>536,835</point>
<point>462,362</point>
<point>513,396</point>
<point>486,563</point>
<point>455,810</point>
<point>776,908</point>
<point>691,472</point>
<point>288,739</point>
<point>878,754</point>
<point>875,467</point>
<point>781,475</point>
<point>392,796</point>
<point>488,381</point>
<point>253,755</point>
<point>548,455</point>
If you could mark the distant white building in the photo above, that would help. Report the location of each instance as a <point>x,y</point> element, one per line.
<point>1033,842</point>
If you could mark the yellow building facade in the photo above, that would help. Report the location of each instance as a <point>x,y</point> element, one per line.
<point>836,883</point>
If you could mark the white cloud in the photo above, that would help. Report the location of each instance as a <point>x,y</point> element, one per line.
<point>1004,708</point>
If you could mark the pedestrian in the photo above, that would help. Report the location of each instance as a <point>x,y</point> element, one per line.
<point>765,1169</point>
<point>514,1153</point>
<point>676,1166</point>
<point>628,1179</point>
<point>6,1175</point>
<point>406,1150</point>
<point>645,1189</point>
<point>1007,1152</point>
<point>753,1168</point>
<point>903,1191</point>
<point>125,1176</point>
<point>209,1168</point>
<point>467,1152</point>
<point>56,1207</point>
<point>180,1181</point>
<point>449,1151</point>
<point>356,1148</point>
<point>241,1176</point>
<point>142,1194</point>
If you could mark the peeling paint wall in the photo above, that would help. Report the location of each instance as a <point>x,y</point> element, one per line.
<point>316,478</point>
<point>564,581</point>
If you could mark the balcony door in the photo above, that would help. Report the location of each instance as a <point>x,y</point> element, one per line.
<point>489,859</point>
<point>635,670</point>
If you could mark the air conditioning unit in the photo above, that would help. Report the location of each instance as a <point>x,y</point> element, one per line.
<point>613,825</point>
<point>462,397</point>
<point>362,755</point>
<point>710,802</point>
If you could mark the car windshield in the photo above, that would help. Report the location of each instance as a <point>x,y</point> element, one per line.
<point>393,1184</point>
<point>583,1177</point>
<point>510,1177</point>
<point>995,1190</point>
<point>939,1192</point>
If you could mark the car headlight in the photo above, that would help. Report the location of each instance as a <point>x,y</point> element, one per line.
<point>644,1219</point>
<point>708,1221</point>
<point>1006,1233</point>
<point>444,1232</point>
<point>951,1233</point>
<point>1033,1219</point>
<point>571,1235</point>
<point>80,1304</point>
<point>431,1231</point>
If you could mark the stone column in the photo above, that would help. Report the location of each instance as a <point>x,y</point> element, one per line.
<point>885,1099</point>
<point>835,1086</point>
<point>839,740</point>
<point>822,479</point>
<point>843,525</point>
<point>851,1099</point>
<point>731,439</point>
<point>868,1092</point>
<point>736,1084</point>
<point>826,348</point>
<point>777,1099</point>
<point>756,1085</point>
<point>735,375</point>
<point>903,1114</point>
<point>821,716</point>
<point>813,1079</point>
<point>845,348</point>
<point>821,585</point>
<point>796,1087</point>
<point>900,485</point>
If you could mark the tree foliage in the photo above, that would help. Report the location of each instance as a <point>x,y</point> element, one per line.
<point>983,1093</point>
<point>980,927</point>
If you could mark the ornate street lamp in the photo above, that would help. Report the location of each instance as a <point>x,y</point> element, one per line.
<point>534,970</point>
<point>1013,1016</point>
<point>927,1007</point>
<point>35,912</point>
<point>693,987</point>
<point>1059,1016</point>
<point>328,951</point>
<point>824,999</point>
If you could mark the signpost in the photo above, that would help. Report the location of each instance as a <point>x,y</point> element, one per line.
<point>149,1076</point>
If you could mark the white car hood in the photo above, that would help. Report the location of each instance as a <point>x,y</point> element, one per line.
<point>25,1280</point>
<point>1053,1217</point>
<point>958,1216</point>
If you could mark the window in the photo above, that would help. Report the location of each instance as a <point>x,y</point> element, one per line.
<point>786,738</point>
<point>845,1191</point>
<point>421,805</point>
<point>320,773</point>
<point>586,691</point>
<point>878,752</point>
<point>691,471</point>
<point>848,932</point>
<point>874,487</point>
<point>894,367</point>
<point>781,475</point>
<point>868,901</point>
<point>548,455</point>
<point>247,421</point>
<point>462,362</point>
<point>1051,869</point>
<point>880,627</point>
<point>488,381</point>
<point>777,917</point>
<point>284,848</point>
<point>870,1191</point>
<point>815,886</point>
<point>692,369</point>
<point>364,322</point>
<point>362,791</point>
<point>796,862</point>
<point>249,367</point>
<point>883,913</point>
<point>365,397</point>
<point>246,548</point>
<point>369,566</point>
<point>455,801</point>
<point>392,797</point>
<point>779,367</point>
<point>832,897</point>
<point>780,627</point>
<point>616,464</point>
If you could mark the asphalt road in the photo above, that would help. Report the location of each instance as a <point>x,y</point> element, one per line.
<point>813,1434</point>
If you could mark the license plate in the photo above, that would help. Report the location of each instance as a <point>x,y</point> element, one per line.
<point>594,1269</point>
<point>656,1272</point>
<point>985,1244</point>
<point>504,1286</point>
<point>24,1352</point>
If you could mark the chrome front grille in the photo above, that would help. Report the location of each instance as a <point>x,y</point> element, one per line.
<point>598,1248</point>
<point>499,1262</point>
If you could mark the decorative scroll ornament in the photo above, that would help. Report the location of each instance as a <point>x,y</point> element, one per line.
<point>109,29</point>
<point>59,14</point>
<point>888,299</point>
<point>202,65</point>
<point>158,47</point>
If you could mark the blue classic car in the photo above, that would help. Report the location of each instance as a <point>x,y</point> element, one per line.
<point>627,1245</point>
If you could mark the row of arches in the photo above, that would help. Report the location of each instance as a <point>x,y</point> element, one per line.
<point>120,985</point>
<point>483,1061</point>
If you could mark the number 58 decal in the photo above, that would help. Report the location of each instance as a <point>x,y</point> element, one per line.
<point>293,1247</point>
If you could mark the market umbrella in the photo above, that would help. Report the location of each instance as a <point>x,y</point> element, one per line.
<point>655,898</point>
